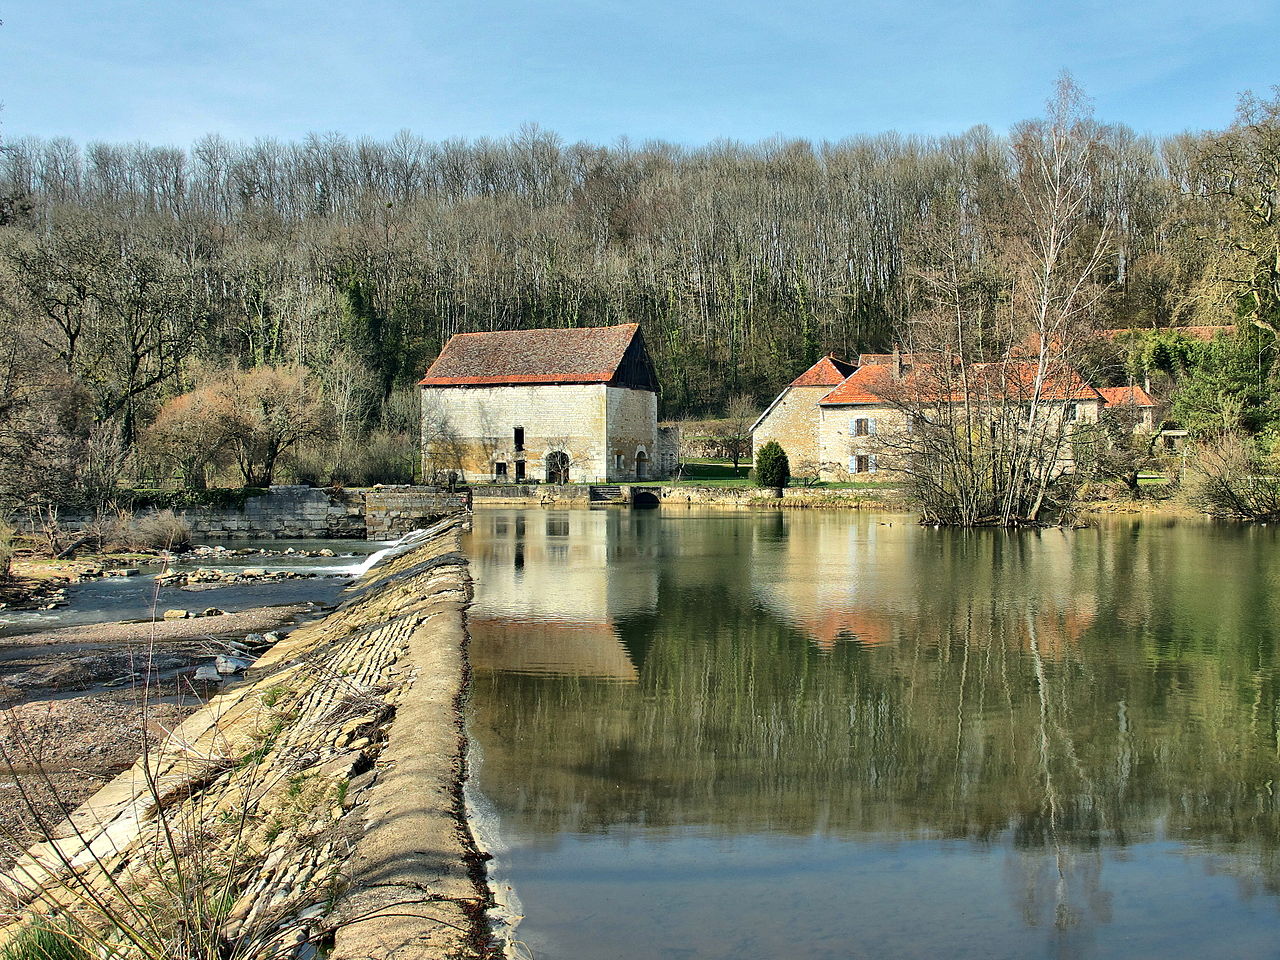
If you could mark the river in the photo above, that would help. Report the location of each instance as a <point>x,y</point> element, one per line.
<point>109,599</point>
<point>761,735</point>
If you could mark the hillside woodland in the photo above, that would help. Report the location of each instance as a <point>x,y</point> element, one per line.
<point>243,312</point>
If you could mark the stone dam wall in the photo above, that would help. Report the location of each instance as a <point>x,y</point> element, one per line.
<point>304,513</point>
<point>322,796</point>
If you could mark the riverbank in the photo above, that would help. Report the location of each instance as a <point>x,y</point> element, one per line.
<point>331,778</point>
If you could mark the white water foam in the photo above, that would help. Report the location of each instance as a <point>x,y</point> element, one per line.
<point>486,830</point>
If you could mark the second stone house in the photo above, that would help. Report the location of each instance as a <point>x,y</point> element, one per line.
<point>550,405</point>
<point>878,407</point>
<point>792,419</point>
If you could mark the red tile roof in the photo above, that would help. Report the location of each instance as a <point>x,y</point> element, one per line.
<point>558,355</point>
<point>1125,396</point>
<point>875,384</point>
<point>870,383</point>
<point>827,372</point>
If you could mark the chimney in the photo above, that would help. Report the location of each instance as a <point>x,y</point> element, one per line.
<point>897,363</point>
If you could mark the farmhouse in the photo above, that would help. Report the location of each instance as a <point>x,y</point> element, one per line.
<point>881,398</point>
<point>792,418</point>
<point>555,405</point>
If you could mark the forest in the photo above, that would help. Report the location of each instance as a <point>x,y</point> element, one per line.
<point>133,276</point>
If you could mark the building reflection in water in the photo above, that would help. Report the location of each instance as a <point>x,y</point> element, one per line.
<point>1076,699</point>
<point>551,587</point>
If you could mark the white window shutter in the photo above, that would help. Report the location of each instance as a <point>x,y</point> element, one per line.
<point>853,464</point>
<point>871,426</point>
<point>853,428</point>
<point>871,464</point>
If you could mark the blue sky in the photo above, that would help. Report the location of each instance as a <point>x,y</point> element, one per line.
<point>168,71</point>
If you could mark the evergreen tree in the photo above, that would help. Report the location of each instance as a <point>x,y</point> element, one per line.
<point>772,468</point>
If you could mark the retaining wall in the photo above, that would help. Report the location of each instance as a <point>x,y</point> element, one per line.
<point>530,492</point>
<point>304,513</point>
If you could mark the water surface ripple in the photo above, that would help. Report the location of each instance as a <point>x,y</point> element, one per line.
<point>831,735</point>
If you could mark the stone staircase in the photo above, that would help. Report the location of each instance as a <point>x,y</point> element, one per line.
<point>607,493</point>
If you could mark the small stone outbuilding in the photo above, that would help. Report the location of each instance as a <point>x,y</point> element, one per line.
<point>551,405</point>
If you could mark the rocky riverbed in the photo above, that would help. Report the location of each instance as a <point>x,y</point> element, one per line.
<point>78,704</point>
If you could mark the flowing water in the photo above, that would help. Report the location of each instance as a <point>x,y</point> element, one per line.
<point>137,598</point>
<point>829,735</point>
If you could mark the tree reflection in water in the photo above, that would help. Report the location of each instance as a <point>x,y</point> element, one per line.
<point>1062,696</point>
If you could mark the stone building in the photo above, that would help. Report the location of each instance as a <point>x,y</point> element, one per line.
<point>1135,399</point>
<point>792,418</point>
<point>557,406</point>
<point>873,406</point>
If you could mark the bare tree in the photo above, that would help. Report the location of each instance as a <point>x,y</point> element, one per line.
<point>989,404</point>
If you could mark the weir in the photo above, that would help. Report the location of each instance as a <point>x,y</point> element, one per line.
<point>316,805</point>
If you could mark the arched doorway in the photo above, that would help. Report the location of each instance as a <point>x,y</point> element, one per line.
<point>642,464</point>
<point>557,467</point>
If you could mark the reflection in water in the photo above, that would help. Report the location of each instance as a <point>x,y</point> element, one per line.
<point>847,735</point>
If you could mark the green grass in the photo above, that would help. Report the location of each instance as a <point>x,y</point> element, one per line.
<point>43,940</point>
<point>715,470</point>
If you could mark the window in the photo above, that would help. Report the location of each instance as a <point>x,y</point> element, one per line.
<point>618,462</point>
<point>519,470</point>
<point>519,439</point>
<point>861,464</point>
<point>1073,412</point>
<point>500,470</point>
<point>862,427</point>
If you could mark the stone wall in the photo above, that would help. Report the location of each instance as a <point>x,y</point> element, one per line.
<point>473,428</point>
<point>792,421</point>
<point>391,512</point>
<point>310,513</point>
<point>284,513</point>
<point>530,492</point>
<point>884,498</point>
<point>633,434</point>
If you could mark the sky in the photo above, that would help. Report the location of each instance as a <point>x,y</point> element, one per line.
<point>170,71</point>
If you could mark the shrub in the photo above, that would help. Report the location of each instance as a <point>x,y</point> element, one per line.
<point>772,468</point>
<point>1233,477</point>
<point>164,530</point>
<point>122,530</point>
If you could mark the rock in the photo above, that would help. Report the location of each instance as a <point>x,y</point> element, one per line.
<point>212,612</point>
<point>208,673</point>
<point>254,572</point>
<point>124,572</point>
<point>272,637</point>
<point>177,614</point>
<point>229,665</point>
<point>325,552</point>
<point>254,639</point>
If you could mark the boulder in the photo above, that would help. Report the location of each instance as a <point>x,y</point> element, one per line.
<point>229,665</point>
<point>212,612</point>
<point>177,614</point>
<point>208,673</point>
